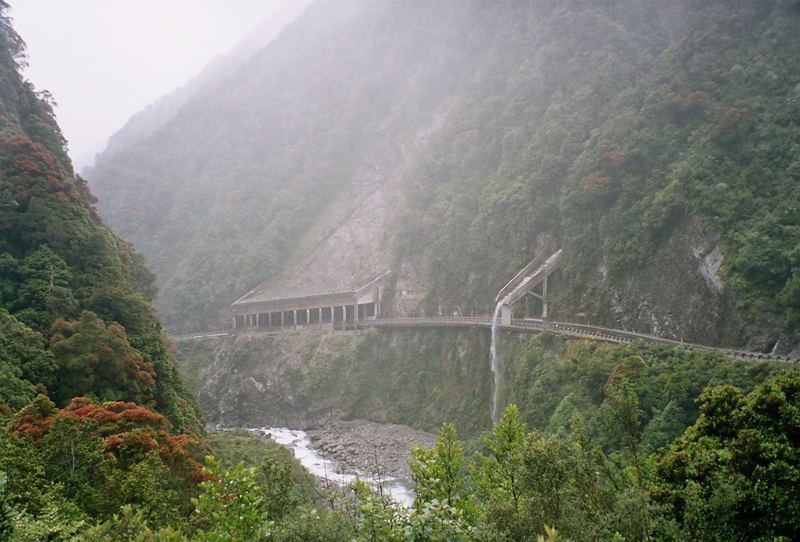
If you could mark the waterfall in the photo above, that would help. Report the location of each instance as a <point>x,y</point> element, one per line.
<point>522,279</point>
<point>498,377</point>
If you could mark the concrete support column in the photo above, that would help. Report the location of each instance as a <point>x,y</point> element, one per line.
<point>294,319</point>
<point>544,298</point>
<point>505,315</point>
<point>283,320</point>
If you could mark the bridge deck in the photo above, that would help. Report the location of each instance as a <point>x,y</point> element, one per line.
<point>567,329</point>
<point>538,326</point>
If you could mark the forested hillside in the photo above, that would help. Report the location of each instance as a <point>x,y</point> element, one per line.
<point>68,286</point>
<point>99,439</point>
<point>452,141</point>
<point>601,441</point>
<point>92,409</point>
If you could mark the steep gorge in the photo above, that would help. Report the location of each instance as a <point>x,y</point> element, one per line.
<point>450,142</point>
<point>424,377</point>
<point>657,146</point>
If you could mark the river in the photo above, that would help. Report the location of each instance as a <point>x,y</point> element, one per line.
<point>300,442</point>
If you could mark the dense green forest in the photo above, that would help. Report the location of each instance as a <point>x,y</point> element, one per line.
<point>603,442</point>
<point>613,138</point>
<point>657,144</point>
<point>68,285</point>
<point>94,413</point>
<point>730,476</point>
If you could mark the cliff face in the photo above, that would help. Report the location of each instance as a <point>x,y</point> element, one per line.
<point>302,380</point>
<point>450,142</point>
<point>427,376</point>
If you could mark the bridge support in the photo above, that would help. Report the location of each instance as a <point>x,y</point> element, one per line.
<point>505,315</point>
<point>544,297</point>
<point>539,297</point>
<point>532,275</point>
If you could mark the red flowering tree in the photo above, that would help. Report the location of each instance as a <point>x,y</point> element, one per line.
<point>125,431</point>
<point>97,360</point>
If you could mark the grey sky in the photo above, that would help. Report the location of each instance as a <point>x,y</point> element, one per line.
<point>104,60</point>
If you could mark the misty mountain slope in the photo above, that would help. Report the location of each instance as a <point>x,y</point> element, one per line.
<point>148,121</point>
<point>279,143</point>
<point>452,141</point>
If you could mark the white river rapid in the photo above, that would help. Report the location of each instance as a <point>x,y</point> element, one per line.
<point>300,444</point>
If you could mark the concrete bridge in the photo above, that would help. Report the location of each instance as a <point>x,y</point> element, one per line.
<point>529,325</point>
<point>524,283</point>
<point>265,311</point>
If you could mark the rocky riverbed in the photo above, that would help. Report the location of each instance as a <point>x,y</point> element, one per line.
<point>368,447</point>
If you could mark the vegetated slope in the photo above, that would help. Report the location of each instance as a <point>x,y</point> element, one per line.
<point>451,141</point>
<point>646,169</point>
<point>75,300</point>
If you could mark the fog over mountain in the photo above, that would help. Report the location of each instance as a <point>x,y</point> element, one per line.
<point>148,49</point>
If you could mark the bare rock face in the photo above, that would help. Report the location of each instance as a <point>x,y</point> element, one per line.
<point>240,390</point>
<point>680,294</point>
<point>306,380</point>
<point>349,245</point>
<point>710,262</point>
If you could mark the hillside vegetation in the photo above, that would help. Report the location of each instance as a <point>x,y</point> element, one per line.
<point>452,141</point>
<point>69,288</point>
<point>601,441</point>
<point>99,438</point>
<point>93,413</point>
<point>423,377</point>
